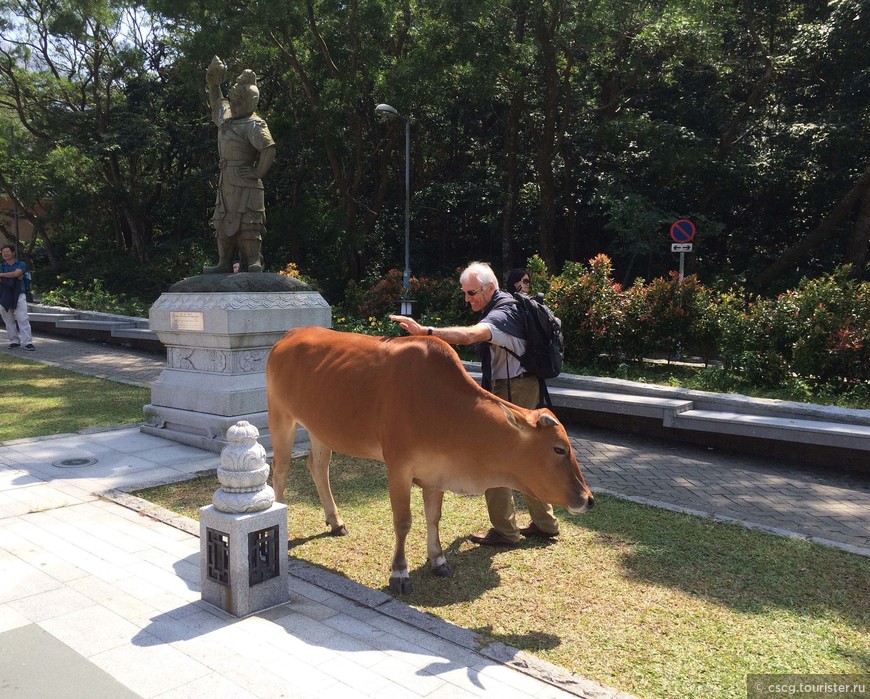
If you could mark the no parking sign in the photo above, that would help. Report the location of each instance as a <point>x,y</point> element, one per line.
<point>682,230</point>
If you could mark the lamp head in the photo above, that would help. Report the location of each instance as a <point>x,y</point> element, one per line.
<point>387,109</point>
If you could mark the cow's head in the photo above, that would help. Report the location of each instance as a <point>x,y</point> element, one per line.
<point>546,465</point>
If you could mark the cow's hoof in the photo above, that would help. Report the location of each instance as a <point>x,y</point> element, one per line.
<point>338,531</point>
<point>400,586</point>
<point>442,571</point>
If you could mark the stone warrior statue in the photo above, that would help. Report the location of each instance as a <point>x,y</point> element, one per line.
<point>246,152</point>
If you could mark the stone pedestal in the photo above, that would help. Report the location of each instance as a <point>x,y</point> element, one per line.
<point>243,533</point>
<point>218,330</point>
<point>243,566</point>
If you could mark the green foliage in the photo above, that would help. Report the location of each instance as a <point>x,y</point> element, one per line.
<point>93,297</point>
<point>573,129</point>
<point>809,341</point>
<point>587,301</point>
<point>437,297</point>
<point>818,331</point>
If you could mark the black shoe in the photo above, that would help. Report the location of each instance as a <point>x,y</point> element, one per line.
<point>30,348</point>
<point>493,538</point>
<point>533,531</point>
<point>13,345</point>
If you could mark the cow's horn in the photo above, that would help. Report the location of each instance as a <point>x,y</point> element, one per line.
<point>547,419</point>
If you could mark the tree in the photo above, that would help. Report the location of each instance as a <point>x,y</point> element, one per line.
<point>87,76</point>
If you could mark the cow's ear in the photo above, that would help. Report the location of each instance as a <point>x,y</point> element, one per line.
<point>547,420</point>
<point>511,417</point>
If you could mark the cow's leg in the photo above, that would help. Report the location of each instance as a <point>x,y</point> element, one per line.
<point>432,500</point>
<point>318,465</point>
<point>400,500</point>
<point>283,435</point>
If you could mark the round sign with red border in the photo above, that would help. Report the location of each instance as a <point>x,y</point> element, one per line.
<point>682,230</point>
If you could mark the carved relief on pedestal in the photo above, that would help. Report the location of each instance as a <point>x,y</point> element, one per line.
<point>239,301</point>
<point>216,361</point>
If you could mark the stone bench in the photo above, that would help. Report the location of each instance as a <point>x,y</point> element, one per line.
<point>52,318</point>
<point>828,435</point>
<point>91,324</point>
<point>101,327</point>
<point>802,431</point>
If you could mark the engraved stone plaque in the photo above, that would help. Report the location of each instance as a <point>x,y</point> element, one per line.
<point>185,320</point>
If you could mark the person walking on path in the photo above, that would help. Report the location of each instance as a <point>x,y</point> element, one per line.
<point>499,329</point>
<point>13,300</point>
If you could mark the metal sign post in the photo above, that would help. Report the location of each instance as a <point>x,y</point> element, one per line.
<point>682,231</point>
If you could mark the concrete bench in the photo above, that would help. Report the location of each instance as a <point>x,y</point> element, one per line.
<point>90,324</point>
<point>51,317</point>
<point>135,333</point>
<point>830,435</point>
<point>620,403</point>
<point>802,431</point>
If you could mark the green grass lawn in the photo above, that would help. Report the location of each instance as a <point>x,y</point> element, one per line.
<point>39,400</point>
<point>652,602</point>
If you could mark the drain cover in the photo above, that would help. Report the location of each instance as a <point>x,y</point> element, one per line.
<point>74,463</point>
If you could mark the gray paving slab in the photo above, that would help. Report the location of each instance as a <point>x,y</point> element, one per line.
<point>824,505</point>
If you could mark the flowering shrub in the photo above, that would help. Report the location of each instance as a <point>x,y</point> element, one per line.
<point>291,269</point>
<point>435,296</point>
<point>588,303</point>
<point>815,335</point>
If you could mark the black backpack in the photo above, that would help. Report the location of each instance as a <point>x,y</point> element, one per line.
<point>545,343</point>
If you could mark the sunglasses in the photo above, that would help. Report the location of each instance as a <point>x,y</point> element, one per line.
<point>473,293</point>
<point>525,281</point>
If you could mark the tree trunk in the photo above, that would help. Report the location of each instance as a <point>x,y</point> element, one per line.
<point>512,182</point>
<point>546,146</point>
<point>856,254</point>
<point>822,231</point>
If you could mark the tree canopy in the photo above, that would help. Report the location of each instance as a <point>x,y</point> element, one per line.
<point>566,128</point>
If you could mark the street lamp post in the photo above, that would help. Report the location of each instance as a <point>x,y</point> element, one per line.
<point>406,306</point>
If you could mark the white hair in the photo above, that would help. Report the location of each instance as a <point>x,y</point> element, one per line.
<point>480,271</point>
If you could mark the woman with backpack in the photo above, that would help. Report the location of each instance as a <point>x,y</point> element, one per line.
<point>13,300</point>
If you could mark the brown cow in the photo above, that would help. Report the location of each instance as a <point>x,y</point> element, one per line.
<point>410,403</point>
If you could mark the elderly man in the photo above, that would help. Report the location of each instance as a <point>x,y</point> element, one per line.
<point>247,151</point>
<point>499,327</point>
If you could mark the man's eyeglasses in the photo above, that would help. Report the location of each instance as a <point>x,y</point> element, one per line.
<point>474,292</point>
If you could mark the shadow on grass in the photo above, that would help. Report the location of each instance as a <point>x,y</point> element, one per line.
<point>745,570</point>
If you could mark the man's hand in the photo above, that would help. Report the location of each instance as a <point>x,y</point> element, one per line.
<point>409,324</point>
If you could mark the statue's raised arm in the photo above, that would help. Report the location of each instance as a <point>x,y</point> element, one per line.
<point>215,75</point>
<point>247,151</point>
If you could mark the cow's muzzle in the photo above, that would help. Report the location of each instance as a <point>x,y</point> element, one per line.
<point>588,504</point>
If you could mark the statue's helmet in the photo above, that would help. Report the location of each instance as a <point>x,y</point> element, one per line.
<point>245,95</point>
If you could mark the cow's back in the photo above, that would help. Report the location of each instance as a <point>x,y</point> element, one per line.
<point>357,394</point>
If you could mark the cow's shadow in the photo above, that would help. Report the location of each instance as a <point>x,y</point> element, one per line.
<point>475,573</point>
<point>300,540</point>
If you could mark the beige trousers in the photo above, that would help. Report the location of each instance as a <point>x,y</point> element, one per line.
<point>526,393</point>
